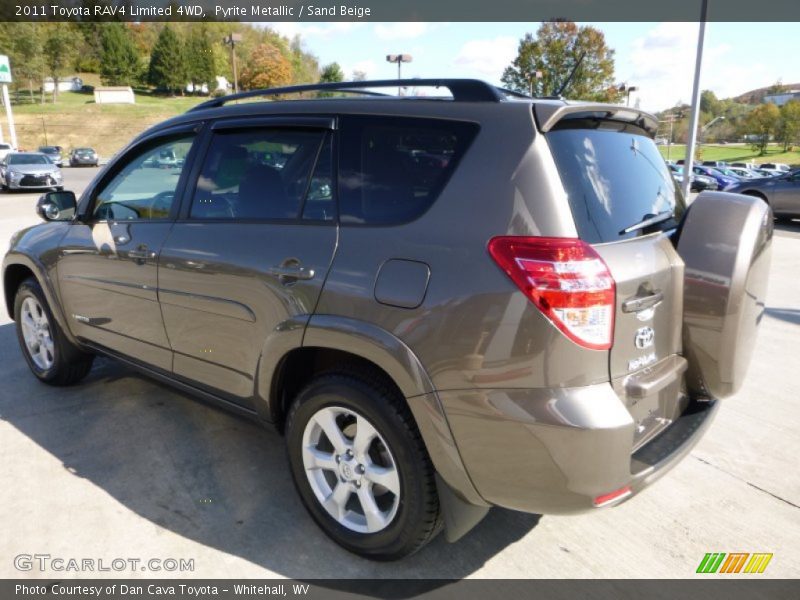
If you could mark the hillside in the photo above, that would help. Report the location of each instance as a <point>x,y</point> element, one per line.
<point>75,120</point>
<point>757,96</point>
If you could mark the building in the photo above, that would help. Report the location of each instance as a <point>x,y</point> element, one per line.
<point>65,84</point>
<point>782,98</point>
<point>114,95</point>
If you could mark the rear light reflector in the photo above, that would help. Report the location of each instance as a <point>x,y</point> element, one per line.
<point>612,496</point>
<point>567,280</point>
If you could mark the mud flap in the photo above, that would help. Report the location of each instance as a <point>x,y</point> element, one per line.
<point>725,242</point>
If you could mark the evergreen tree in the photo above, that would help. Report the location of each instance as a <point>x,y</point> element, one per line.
<point>200,59</point>
<point>167,65</point>
<point>119,60</point>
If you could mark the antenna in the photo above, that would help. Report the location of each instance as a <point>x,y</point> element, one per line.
<point>570,76</point>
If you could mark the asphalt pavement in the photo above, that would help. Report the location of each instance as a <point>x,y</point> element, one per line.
<point>122,467</point>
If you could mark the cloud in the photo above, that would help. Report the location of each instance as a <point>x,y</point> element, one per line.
<point>487,57</point>
<point>368,66</point>
<point>310,31</point>
<point>663,63</point>
<point>401,31</point>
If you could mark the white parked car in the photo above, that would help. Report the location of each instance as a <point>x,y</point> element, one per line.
<point>5,149</point>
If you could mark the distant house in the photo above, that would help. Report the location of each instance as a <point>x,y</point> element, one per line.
<point>114,95</point>
<point>782,98</point>
<point>221,85</point>
<point>65,84</point>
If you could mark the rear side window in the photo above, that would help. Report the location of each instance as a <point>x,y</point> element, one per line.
<point>391,170</point>
<point>614,177</point>
<point>259,174</point>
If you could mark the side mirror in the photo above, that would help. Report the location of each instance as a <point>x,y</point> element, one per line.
<point>57,206</point>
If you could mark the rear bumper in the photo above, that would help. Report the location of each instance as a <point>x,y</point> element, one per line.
<point>557,451</point>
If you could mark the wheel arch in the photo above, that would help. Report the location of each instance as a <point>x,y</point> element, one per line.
<point>329,342</point>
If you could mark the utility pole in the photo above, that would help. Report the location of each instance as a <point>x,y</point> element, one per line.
<point>536,76</point>
<point>231,40</point>
<point>688,163</point>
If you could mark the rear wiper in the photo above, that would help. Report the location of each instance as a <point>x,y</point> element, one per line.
<point>648,220</point>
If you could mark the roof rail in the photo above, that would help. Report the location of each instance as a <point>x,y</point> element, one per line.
<point>462,90</point>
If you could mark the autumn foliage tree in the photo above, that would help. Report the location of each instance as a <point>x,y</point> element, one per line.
<point>266,68</point>
<point>762,122</point>
<point>553,53</point>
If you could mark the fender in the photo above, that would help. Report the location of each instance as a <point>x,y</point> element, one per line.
<point>402,365</point>
<point>25,251</point>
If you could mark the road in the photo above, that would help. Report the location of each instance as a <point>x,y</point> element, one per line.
<point>123,467</point>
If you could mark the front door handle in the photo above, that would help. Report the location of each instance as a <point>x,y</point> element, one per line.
<point>141,254</point>
<point>294,271</point>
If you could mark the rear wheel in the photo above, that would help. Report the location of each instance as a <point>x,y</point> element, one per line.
<point>48,352</point>
<point>361,468</point>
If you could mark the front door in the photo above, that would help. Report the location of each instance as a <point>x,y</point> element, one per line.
<point>786,194</point>
<point>249,254</point>
<point>107,267</point>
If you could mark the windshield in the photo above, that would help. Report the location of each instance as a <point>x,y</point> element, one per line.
<point>27,159</point>
<point>614,177</point>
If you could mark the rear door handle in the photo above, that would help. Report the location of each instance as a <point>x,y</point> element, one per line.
<point>292,272</point>
<point>638,303</point>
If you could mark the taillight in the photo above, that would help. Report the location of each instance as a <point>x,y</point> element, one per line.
<point>567,280</point>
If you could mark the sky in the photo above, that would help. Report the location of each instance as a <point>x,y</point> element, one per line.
<point>658,58</point>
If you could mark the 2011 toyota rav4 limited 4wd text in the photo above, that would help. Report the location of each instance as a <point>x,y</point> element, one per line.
<point>445,303</point>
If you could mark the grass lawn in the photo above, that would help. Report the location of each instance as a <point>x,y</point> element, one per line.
<point>75,120</point>
<point>735,153</point>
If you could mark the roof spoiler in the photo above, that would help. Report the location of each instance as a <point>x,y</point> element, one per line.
<point>549,114</point>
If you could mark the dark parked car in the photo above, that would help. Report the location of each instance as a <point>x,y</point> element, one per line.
<point>781,192</point>
<point>444,303</point>
<point>724,181</point>
<point>53,153</point>
<point>84,157</point>
<point>699,183</point>
<point>29,170</point>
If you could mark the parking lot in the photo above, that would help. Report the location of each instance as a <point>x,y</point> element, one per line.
<point>124,467</point>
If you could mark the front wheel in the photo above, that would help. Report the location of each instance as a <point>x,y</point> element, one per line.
<point>48,352</point>
<point>361,468</point>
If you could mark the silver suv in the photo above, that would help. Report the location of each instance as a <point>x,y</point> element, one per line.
<point>446,303</point>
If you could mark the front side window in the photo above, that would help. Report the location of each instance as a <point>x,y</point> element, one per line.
<point>144,188</point>
<point>262,174</point>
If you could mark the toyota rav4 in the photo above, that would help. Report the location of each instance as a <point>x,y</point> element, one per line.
<point>446,303</point>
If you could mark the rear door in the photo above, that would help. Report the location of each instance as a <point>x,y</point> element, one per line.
<point>617,183</point>
<point>250,251</point>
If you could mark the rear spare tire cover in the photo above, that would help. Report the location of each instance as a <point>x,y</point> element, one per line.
<point>725,242</point>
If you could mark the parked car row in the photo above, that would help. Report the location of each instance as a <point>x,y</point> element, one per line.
<point>39,170</point>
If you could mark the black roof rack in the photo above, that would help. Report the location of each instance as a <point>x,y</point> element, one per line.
<point>462,90</point>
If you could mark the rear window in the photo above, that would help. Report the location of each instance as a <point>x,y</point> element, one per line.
<point>614,177</point>
<point>393,169</point>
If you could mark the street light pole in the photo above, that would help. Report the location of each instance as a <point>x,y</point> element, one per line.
<point>688,162</point>
<point>399,59</point>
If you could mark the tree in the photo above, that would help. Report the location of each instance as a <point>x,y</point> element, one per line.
<point>200,59</point>
<point>267,68</point>
<point>331,73</point>
<point>119,60</point>
<point>553,53</point>
<point>359,75</point>
<point>762,122</point>
<point>57,51</point>
<point>789,130</point>
<point>709,103</point>
<point>167,69</point>
<point>27,60</point>
<point>777,87</point>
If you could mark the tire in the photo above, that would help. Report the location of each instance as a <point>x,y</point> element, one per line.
<point>60,362</point>
<point>405,521</point>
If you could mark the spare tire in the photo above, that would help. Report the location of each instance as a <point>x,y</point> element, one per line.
<point>725,241</point>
